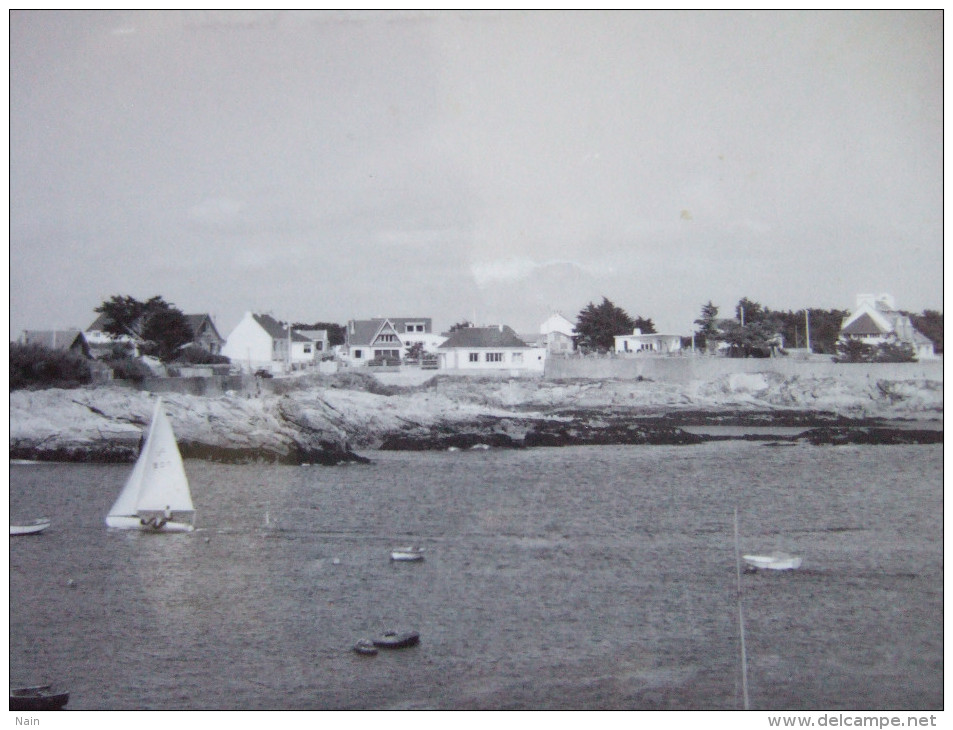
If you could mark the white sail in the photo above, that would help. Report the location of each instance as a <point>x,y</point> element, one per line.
<point>156,495</point>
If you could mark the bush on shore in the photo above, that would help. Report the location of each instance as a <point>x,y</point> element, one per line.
<point>35,366</point>
<point>857,351</point>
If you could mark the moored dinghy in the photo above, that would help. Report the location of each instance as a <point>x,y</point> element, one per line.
<point>31,528</point>
<point>365,647</point>
<point>156,496</point>
<point>775,561</point>
<point>397,640</point>
<point>41,697</point>
<point>409,554</point>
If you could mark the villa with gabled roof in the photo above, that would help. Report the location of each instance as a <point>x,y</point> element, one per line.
<point>260,341</point>
<point>495,348</point>
<point>385,339</point>
<point>71,339</point>
<point>876,320</point>
<point>204,333</point>
<point>558,334</point>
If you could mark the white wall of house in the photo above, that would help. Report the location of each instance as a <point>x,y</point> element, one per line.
<point>101,343</point>
<point>429,340</point>
<point>304,353</point>
<point>558,333</point>
<point>648,343</point>
<point>557,323</point>
<point>249,346</point>
<point>559,342</point>
<point>493,358</point>
<point>308,353</point>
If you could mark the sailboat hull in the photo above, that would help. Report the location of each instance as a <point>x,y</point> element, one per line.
<point>136,523</point>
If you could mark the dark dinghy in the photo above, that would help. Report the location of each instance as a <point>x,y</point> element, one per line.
<point>395,640</point>
<point>42,697</point>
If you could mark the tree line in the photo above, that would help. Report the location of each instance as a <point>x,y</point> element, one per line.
<point>163,331</point>
<point>755,330</point>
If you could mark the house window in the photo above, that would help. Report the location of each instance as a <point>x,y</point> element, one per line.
<point>307,349</point>
<point>357,355</point>
<point>517,357</point>
<point>319,346</point>
<point>474,357</point>
<point>494,357</point>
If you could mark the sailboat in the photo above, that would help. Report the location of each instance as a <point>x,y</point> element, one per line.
<point>156,496</point>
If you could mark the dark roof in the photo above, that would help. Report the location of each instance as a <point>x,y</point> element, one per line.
<point>277,330</point>
<point>363,331</point>
<point>499,336</point>
<point>863,325</point>
<point>55,339</point>
<point>314,335</point>
<point>99,325</point>
<point>198,322</point>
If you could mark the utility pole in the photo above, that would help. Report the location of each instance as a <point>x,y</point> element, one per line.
<point>807,329</point>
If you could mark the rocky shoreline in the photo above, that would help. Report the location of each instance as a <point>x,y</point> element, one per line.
<point>332,419</point>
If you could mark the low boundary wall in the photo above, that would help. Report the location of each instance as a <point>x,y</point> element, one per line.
<point>685,369</point>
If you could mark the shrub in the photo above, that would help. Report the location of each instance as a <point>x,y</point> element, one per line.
<point>857,351</point>
<point>36,366</point>
<point>193,355</point>
<point>127,368</point>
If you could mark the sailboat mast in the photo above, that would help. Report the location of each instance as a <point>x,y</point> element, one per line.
<point>741,620</point>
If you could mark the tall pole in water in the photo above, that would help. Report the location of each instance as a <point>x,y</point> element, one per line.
<point>741,620</point>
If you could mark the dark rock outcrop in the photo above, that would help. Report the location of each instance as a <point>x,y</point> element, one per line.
<point>840,435</point>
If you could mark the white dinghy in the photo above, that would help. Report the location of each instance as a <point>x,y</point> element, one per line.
<point>31,528</point>
<point>775,561</point>
<point>156,496</point>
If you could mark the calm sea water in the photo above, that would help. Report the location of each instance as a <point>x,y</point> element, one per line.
<point>573,578</point>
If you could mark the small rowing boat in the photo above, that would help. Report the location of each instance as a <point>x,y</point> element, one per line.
<point>395,640</point>
<point>407,554</point>
<point>41,697</point>
<point>31,528</point>
<point>775,561</point>
<point>365,648</point>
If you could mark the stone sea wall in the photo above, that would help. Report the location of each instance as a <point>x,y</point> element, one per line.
<point>683,369</point>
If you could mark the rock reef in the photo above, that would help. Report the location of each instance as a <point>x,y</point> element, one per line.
<point>329,419</point>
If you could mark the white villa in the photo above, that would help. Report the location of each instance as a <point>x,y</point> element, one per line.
<point>260,341</point>
<point>387,339</point>
<point>647,343</point>
<point>557,334</point>
<point>875,320</point>
<point>496,348</point>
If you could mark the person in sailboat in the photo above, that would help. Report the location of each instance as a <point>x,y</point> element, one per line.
<point>159,521</point>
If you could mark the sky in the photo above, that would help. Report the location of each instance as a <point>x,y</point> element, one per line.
<point>494,167</point>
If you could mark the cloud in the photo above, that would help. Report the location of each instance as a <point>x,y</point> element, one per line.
<point>508,270</point>
<point>218,213</point>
